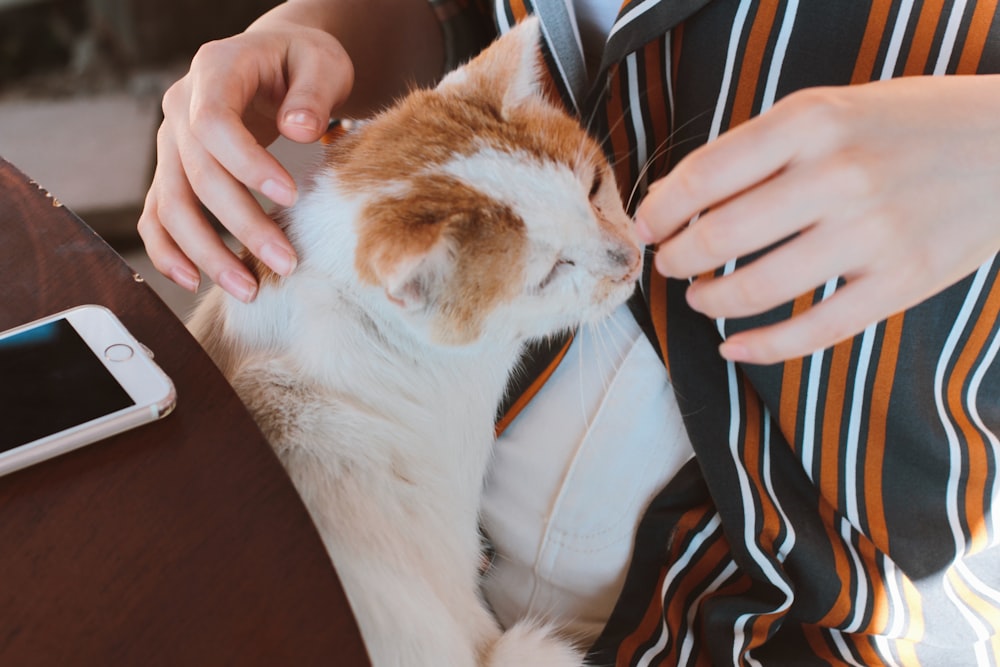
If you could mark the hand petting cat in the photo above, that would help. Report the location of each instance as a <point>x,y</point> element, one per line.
<point>285,74</point>
<point>892,186</point>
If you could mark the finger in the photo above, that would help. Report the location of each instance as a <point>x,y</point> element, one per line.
<point>320,79</point>
<point>848,312</point>
<point>165,255</point>
<point>241,215</point>
<point>177,234</point>
<point>759,217</point>
<point>740,158</point>
<point>218,103</point>
<point>198,241</point>
<point>797,266</point>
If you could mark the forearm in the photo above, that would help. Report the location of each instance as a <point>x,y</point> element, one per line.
<point>393,44</point>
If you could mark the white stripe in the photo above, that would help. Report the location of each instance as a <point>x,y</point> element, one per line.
<point>771,88</point>
<point>741,622</point>
<point>982,633</point>
<point>955,448</point>
<point>789,541</point>
<point>630,16</point>
<point>556,57</point>
<point>950,35</point>
<point>500,10</point>
<point>977,378</point>
<point>713,527</point>
<point>861,596</point>
<point>812,392</point>
<point>571,12</point>
<point>898,31</point>
<point>982,657</point>
<point>897,625</point>
<point>851,463</point>
<point>739,22</point>
<point>635,112</point>
<point>739,628</point>
<point>727,76</point>
<point>885,651</point>
<point>845,653</point>
<point>977,584</point>
<point>749,519</point>
<point>668,69</point>
<point>954,445</point>
<point>688,645</point>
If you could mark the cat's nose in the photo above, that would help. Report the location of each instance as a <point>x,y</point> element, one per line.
<point>621,257</point>
<point>628,259</point>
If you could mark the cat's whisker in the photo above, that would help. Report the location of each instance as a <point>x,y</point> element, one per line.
<point>612,322</point>
<point>605,349</point>
<point>662,149</point>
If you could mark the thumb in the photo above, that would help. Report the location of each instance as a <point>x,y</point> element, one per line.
<point>320,77</point>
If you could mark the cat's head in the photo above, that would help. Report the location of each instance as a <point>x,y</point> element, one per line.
<point>487,209</point>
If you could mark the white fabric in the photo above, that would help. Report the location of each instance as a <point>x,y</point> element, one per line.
<point>594,19</point>
<point>573,474</point>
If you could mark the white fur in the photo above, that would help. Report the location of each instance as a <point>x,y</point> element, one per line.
<point>387,434</point>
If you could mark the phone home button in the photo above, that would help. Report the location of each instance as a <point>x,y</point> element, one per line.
<point>118,352</point>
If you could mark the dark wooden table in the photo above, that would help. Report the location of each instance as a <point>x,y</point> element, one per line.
<point>179,543</point>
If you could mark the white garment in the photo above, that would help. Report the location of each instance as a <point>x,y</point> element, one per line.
<point>573,474</point>
<point>594,19</point>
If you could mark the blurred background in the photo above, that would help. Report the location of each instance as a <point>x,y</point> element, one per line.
<point>80,89</point>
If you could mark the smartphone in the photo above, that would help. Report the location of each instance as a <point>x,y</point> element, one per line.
<point>73,378</point>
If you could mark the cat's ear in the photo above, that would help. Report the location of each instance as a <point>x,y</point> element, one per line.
<point>511,67</point>
<point>413,281</point>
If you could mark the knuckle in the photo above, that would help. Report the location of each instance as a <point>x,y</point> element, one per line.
<point>690,182</point>
<point>852,176</point>
<point>144,226</point>
<point>883,231</point>
<point>171,97</point>
<point>168,216</point>
<point>822,112</point>
<point>707,242</point>
<point>750,291</point>
<point>213,51</point>
<point>203,118</point>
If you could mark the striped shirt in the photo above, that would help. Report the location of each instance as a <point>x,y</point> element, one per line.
<point>841,507</point>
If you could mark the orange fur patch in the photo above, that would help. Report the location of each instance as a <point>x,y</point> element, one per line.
<point>489,238</point>
<point>430,128</point>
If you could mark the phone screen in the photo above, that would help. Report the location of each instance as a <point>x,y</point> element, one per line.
<point>50,380</point>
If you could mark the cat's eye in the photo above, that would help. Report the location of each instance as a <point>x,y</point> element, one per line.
<point>596,185</point>
<point>556,268</point>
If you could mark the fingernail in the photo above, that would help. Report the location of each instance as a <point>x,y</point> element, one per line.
<point>278,192</point>
<point>691,295</point>
<point>186,278</point>
<point>238,285</point>
<point>642,230</point>
<point>733,351</point>
<point>282,260</point>
<point>302,118</point>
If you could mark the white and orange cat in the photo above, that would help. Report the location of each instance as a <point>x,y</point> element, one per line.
<point>434,242</point>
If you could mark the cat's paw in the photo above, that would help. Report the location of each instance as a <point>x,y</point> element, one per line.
<point>533,645</point>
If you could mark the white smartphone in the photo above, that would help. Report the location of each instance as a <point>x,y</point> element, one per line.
<point>73,378</point>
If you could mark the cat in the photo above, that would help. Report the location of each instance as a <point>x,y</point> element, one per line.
<point>434,241</point>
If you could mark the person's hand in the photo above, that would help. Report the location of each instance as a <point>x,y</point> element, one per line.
<point>238,95</point>
<point>893,186</point>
